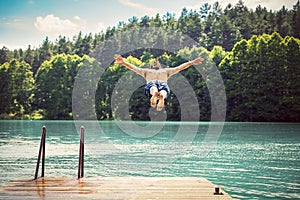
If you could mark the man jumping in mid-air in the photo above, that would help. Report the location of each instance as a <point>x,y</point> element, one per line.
<point>157,78</point>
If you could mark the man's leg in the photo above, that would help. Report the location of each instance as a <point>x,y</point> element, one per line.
<point>161,103</point>
<point>155,95</point>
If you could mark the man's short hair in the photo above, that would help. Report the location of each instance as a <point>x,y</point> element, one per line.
<point>155,64</point>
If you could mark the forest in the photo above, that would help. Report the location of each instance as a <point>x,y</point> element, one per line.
<point>257,53</point>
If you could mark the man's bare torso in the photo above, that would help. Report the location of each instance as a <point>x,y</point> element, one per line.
<point>160,74</point>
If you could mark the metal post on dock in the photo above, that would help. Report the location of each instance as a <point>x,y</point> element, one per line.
<point>81,153</point>
<point>41,153</point>
<point>218,191</point>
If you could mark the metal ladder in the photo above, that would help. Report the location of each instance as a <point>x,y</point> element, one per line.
<point>42,154</point>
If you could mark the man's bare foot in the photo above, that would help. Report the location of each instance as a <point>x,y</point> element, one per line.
<point>154,99</point>
<point>161,103</point>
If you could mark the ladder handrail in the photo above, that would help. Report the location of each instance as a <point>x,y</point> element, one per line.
<point>42,150</point>
<point>81,153</point>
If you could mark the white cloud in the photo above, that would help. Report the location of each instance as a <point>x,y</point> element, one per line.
<point>77,18</point>
<point>140,7</point>
<point>15,23</point>
<point>54,25</point>
<point>100,26</point>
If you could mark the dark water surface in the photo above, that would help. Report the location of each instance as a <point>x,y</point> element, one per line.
<point>248,160</point>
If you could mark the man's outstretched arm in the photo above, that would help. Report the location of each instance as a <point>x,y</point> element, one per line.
<point>188,64</point>
<point>120,60</point>
<point>175,70</point>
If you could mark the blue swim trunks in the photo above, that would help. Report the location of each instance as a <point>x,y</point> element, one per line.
<point>161,85</point>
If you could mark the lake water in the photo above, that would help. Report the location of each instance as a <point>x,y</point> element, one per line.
<point>247,160</point>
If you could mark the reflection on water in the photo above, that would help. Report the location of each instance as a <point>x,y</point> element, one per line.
<point>250,160</point>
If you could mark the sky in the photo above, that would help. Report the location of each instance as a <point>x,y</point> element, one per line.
<point>29,22</point>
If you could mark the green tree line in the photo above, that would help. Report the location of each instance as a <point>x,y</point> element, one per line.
<point>256,51</point>
<point>210,25</point>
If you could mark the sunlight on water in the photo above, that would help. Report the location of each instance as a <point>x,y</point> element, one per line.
<point>250,160</point>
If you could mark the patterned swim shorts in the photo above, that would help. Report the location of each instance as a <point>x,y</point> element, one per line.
<point>161,85</point>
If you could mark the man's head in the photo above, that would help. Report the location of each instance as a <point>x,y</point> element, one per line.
<point>155,64</point>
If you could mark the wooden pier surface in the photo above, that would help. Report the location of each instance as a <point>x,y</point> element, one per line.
<point>111,188</point>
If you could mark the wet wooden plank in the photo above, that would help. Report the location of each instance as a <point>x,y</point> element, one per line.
<point>111,188</point>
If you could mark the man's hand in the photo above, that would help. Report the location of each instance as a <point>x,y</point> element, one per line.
<point>197,61</point>
<point>119,59</point>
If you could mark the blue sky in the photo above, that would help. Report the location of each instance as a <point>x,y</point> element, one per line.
<point>24,22</point>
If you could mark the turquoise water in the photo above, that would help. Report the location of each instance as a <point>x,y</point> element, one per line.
<point>249,160</point>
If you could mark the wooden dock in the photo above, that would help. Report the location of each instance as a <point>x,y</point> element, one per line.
<point>111,188</point>
<point>106,187</point>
